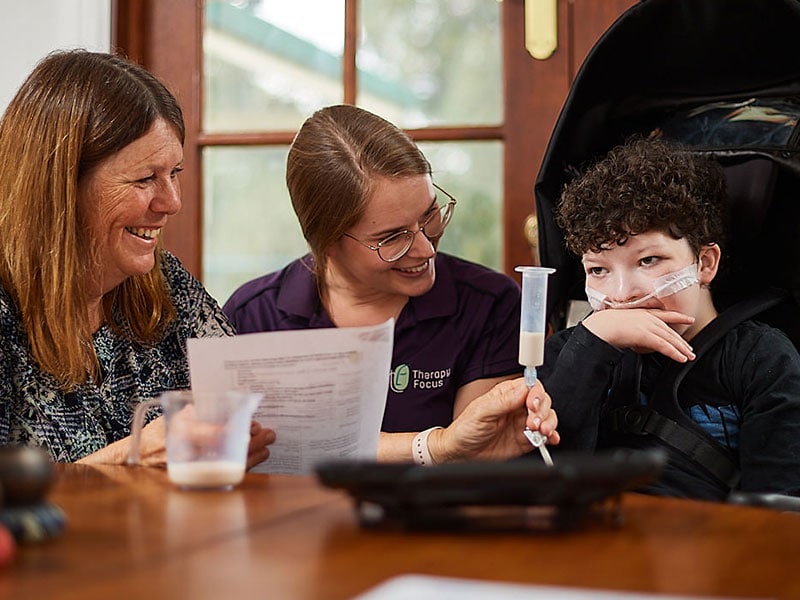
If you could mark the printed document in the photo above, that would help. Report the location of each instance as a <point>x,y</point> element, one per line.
<point>432,587</point>
<point>324,390</point>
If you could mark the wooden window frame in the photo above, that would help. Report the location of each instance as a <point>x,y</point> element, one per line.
<point>166,37</point>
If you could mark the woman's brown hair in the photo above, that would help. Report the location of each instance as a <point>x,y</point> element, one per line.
<point>76,109</point>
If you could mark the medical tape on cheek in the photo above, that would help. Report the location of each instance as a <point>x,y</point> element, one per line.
<point>663,286</point>
<point>596,300</point>
<point>672,283</point>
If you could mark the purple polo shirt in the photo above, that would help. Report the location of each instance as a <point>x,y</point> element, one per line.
<point>465,328</point>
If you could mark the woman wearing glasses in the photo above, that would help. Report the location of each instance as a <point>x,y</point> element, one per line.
<point>372,217</point>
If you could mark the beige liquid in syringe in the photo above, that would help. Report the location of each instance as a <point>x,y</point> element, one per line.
<point>531,348</point>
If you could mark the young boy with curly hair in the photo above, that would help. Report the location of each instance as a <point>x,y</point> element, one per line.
<point>647,221</point>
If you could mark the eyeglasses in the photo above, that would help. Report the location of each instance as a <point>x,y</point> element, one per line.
<point>397,245</point>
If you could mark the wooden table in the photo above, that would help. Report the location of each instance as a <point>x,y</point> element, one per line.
<point>131,534</point>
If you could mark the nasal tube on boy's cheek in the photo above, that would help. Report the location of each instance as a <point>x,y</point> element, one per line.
<point>663,286</point>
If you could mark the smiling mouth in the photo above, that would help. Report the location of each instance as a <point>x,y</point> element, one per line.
<point>145,234</point>
<point>414,270</point>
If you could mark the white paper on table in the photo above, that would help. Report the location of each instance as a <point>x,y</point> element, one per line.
<point>431,587</point>
<point>324,389</point>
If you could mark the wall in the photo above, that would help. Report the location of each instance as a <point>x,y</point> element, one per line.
<point>30,29</point>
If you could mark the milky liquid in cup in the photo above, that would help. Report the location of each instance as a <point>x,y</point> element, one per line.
<point>531,348</point>
<point>206,474</point>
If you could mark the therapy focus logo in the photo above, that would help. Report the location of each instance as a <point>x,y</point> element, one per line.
<point>404,376</point>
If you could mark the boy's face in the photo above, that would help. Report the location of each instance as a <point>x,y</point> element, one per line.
<point>624,274</point>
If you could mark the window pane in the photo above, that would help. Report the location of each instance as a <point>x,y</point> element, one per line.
<point>471,172</point>
<point>249,227</point>
<point>431,62</point>
<point>267,65</point>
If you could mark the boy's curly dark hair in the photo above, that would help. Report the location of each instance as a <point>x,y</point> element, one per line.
<point>640,186</point>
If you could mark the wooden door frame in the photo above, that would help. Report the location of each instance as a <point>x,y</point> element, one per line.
<point>535,91</point>
<point>134,34</point>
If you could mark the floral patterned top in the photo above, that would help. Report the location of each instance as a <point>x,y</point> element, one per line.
<point>34,412</point>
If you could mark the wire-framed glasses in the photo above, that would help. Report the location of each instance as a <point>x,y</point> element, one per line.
<point>395,246</point>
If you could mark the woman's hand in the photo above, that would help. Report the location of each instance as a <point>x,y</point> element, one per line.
<point>153,444</point>
<point>197,437</point>
<point>153,449</point>
<point>153,454</point>
<point>490,427</point>
<point>260,438</point>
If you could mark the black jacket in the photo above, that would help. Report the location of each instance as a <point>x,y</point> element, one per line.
<point>745,392</point>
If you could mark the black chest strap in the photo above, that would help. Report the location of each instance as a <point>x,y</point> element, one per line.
<point>694,445</point>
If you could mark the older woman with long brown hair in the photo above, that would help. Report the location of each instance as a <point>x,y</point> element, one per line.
<point>94,314</point>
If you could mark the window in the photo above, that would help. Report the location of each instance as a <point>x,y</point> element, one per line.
<point>501,125</point>
<point>267,66</point>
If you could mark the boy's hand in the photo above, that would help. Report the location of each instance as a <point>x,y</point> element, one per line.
<point>643,330</point>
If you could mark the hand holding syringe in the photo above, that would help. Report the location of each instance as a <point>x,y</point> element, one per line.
<point>531,337</point>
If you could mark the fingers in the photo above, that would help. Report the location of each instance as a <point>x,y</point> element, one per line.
<point>258,448</point>
<point>152,444</point>
<point>541,415</point>
<point>260,436</point>
<point>256,457</point>
<point>659,336</point>
<point>670,316</point>
<point>534,412</point>
<point>668,342</point>
<point>503,398</point>
<point>643,330</point>
<point>548,427</point>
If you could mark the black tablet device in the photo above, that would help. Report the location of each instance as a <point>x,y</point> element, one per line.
<point>523,493</point>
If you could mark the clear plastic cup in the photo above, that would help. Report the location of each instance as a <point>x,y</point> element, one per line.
<point>207,436</point>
